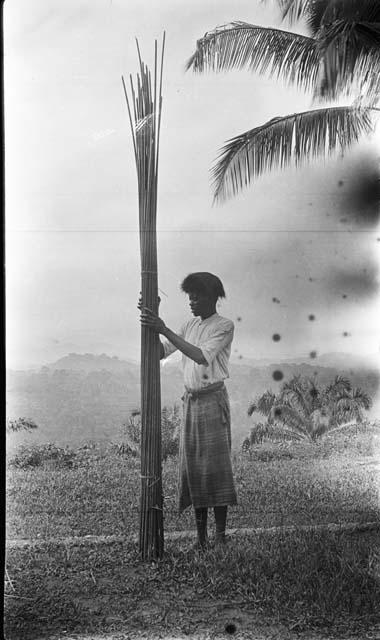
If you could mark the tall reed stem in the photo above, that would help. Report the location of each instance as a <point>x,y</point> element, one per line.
<point>145,121</point>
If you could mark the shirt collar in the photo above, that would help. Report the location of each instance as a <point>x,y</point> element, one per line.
<point>200,321</point>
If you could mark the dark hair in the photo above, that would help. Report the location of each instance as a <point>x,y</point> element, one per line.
<point>204,283</point>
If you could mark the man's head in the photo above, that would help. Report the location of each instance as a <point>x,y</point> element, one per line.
<point>204,289</point>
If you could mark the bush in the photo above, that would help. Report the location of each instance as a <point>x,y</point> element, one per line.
<point>33,456</point>
<point>20,424</point>
<point>170,424</point>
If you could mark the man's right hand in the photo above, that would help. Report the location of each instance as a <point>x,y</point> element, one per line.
<point>140,302</point>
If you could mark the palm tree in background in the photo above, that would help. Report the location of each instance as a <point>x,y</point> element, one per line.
<point>305,411</point>
<point>340,58</point>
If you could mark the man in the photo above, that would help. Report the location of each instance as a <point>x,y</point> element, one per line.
<point>205,470</point>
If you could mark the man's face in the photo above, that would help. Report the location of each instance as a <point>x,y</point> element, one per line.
<point>200,304</point>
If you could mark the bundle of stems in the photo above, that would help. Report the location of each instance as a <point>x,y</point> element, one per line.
<point>144,110</point>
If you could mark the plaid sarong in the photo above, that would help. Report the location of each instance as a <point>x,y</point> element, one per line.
<point>205,470</point>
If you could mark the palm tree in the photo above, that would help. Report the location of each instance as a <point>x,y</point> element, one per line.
<point>347,403</point>
<point>304,411</point>
<point>340,56</point>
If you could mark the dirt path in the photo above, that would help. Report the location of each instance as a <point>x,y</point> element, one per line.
<point>185,535</point>
<point>233,623</point>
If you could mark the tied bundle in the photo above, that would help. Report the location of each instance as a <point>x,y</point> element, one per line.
<point>144,110</point>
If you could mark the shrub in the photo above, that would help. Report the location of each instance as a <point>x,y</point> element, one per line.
<point>20,424</point>
<point>28,457</point>
<point>170,424</point>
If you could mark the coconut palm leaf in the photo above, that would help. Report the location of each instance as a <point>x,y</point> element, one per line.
<point>297,137</point>
<point>290,418</point>
<point>263,404</point>
<point>294,10</point>
<point>241,45</point>
<point>320,421</point>
<point>337,388</point>
<point>350,57</point>
<point>294,394</point>
<point>351,405</point>
<point>270,431</point>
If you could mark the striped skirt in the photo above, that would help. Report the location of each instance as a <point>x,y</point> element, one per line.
<point>205,469</point>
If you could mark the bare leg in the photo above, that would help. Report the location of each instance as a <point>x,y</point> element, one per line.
<point>201,522</point>
<point>220,522</point>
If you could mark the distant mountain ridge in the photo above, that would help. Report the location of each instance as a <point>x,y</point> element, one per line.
<point>83,397</point>
<point>92,362</point>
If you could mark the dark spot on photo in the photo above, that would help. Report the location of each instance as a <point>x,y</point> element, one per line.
<point>344,295</point>
<point>340,183</point>
<point>277,412</point>
<point>230,628</point>
<point>311,280</point>
<point>313,354</point>
<point>238,319</point>
<point>240,357</point>
<point>205,376</point>
<point>276,300</point>
<point>277,375</point>
<point>276,337</point>
<point>361,198</point>
<point>361,284</point>
<point>345,333</point>
<point>311,316</point>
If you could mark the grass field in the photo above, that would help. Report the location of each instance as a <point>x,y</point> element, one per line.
<point>303,580</point>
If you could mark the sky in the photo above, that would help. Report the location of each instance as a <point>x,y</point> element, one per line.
<point>306,237</point>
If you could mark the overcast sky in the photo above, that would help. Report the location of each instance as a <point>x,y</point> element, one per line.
<point>301,236</point>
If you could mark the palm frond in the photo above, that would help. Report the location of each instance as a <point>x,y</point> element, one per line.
<point>362,398</point>
<point>296,137</point>
<point>272,432</point>
<point>322,13</point>
<point>320,421</point>
<point>239,45</point>
<point>349,53</point>
<point>294,10</point>
<point>263,404</point>
<point>338,387</point>
<point>295,394</point>
<point>290,418</point>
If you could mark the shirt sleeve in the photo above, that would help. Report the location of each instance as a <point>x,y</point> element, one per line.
<point>169,347</point>
<point>221,339</point>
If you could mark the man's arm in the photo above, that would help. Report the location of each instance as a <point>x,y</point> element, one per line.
<point>150,319</point>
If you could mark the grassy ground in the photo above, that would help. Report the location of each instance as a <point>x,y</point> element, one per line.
<point>298,484</point>
<point>303,581</point>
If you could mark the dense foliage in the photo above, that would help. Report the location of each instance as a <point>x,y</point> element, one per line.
<point>170,423</point>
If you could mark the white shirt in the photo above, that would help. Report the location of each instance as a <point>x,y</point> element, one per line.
<point>213,336</point>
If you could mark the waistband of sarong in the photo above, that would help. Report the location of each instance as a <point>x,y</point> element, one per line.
<point>196,393</point>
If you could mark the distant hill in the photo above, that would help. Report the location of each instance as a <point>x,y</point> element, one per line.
<point>91,362</point>
<point>88,397</point>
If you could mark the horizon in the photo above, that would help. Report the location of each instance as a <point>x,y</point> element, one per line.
<point>234,359</point>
